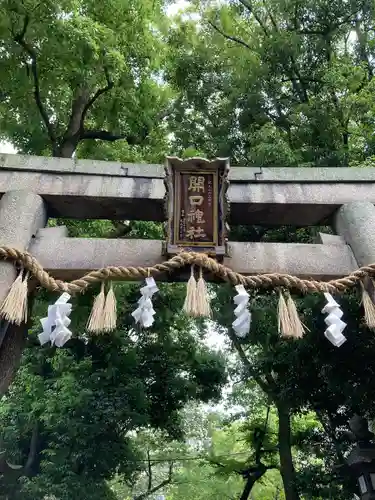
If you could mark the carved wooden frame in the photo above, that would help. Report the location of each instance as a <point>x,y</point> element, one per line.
<point>197,164</point>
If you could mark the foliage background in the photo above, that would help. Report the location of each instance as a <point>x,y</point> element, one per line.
<point>269,83</point>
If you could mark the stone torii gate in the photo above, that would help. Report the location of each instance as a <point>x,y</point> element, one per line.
<point>36,188</point>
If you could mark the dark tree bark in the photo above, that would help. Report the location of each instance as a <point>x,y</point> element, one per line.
<point>12,343</point>
<point>287,470</point>
<point>66,149</point>
<point>248,487</point>
<point>12,473</point>
<point>10,352</point>
<point>252,476</point>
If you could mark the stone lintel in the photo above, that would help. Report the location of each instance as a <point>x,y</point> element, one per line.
<point>87,189</point>
<point>134,198</point>
<point>70,258</point>
<point>237,173</point>
<point>92,196</point>
<point>299,204</point>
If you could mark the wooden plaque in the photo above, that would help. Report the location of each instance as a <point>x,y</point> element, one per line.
<point>196,204</point>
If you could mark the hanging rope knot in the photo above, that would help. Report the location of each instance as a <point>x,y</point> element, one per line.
<point>179,261</point>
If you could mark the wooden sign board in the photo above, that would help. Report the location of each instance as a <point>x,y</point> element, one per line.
<point>196,204</point>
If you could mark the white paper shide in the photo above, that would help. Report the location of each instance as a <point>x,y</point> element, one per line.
<point>55,325</point>
<point>241,325</point>
<point>144,314</point>
<point>333,321</point>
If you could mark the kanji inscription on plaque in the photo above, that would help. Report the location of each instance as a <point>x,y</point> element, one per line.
<point>197,205</point>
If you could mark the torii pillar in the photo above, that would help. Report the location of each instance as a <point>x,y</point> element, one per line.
<point>21,215</point>
<point>355,223</point>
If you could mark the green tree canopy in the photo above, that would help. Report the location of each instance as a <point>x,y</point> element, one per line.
<point>74,71</point>
<point>69,416</point>
<point>276,82</point>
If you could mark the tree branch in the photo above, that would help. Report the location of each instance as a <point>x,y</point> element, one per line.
<point>79,102</point>
<point>149,492</point>
<point>229,37</point>
<point>252,476</point>
<point>22,470</point>
<point>301,92</point>
<point>249,7</point>
<point>303,97</point>
<point>218,464</point>
<point>259,448</point>
<point>326,29</point>
<point>33,451</point>
<point>363,45</point>
<point>274,24</point>
<point>149,466</point>
<point>30,51</point>
<point>263,385</point>
<point>105,135</point>
<point>95,97</point>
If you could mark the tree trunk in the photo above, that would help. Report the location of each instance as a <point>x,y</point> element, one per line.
<point>248,487</point>
<point>65,149</point>
<point>363,48</point>
<point>13,343</point>
<point>287,470</point>
<point>345,141</point>
<point>330,429</point>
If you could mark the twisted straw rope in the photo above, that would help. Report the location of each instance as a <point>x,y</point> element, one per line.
<point>179,261</point>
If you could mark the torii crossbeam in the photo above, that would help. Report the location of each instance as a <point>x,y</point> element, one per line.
<point>36,188</point>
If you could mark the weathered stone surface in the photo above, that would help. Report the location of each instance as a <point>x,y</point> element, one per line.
<point>293,203</point>
<point>303,260</point>
<point>92,196</point>
<point>355,222</point>
<point>156,171</point>
<point>53,233</point>
<point>297,175</point>
<point>108,197</point>
<point>21,215</point>
<point>110,190</point>
<point>330,239</point>
<point>89,167</point>
<point>70,258</point>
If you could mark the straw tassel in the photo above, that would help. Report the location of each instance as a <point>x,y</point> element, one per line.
<point>95,323</point>
<point>190,305</point>
<point>14,307</point>
<point>297,328</point>
<point>369,308</point>
<point>110,311</point>
<point>284,323</point>
<point>202,297</point>
<point>24,296</point>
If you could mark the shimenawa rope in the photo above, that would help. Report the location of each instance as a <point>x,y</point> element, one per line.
<point>29,263</point>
